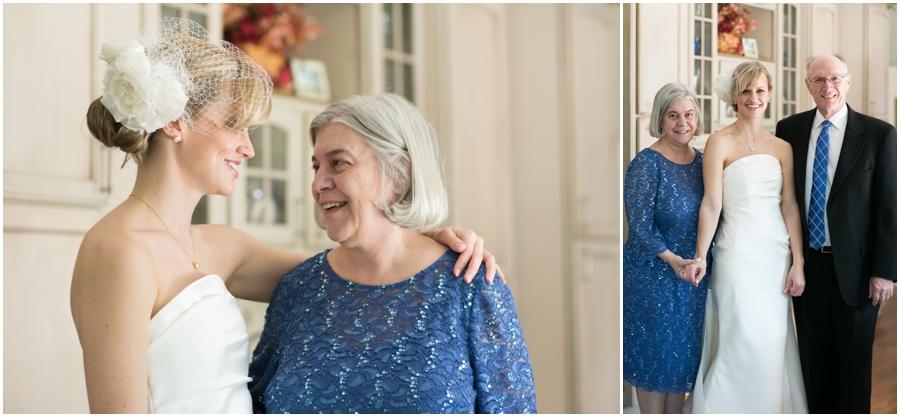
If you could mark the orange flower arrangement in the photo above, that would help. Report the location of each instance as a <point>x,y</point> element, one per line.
<point>734,23</point>
<point>270,34</point>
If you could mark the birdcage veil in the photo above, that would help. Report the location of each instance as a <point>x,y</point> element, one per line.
<point>175,71</point>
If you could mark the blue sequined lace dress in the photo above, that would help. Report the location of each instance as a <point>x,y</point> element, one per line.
<point>662,315</point>
<point>429,344</point>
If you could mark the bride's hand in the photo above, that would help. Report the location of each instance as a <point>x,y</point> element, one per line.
<point>796,282</point>
<point>680,266</point>
<point>697,271</point>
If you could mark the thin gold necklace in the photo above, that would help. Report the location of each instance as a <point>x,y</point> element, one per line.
<point>748,143</point>
<point>194,260</point>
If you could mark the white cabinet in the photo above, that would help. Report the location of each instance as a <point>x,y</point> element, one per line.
<point>272,195</point>
<point>879,100</point>
<point>272,199</point>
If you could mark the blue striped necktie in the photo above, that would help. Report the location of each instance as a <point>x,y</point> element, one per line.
<point>817,192</point>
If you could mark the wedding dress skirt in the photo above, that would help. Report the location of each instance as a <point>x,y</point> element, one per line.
<point>750,362</point>
<point>199,350</point>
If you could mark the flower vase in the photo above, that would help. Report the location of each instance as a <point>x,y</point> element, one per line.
<point>274,63</point>
<point>730,43</point>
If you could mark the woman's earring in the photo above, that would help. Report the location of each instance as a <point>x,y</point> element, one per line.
<point>177,139</point>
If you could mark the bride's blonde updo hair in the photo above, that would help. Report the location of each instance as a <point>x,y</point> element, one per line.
<point>176,73</point>
<point>745,75</point>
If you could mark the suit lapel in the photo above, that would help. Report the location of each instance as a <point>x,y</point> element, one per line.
<point>850,150</point>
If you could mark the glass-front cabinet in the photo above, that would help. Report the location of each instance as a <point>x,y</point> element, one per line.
<point>704,45</point>
<point>272,199</point>
<point>774,43</point>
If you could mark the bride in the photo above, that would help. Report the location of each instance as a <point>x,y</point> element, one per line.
<point>152,296</point>
<point>750,362</point>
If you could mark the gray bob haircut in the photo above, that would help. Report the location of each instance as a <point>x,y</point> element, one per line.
<point>664,98</point>
<point>406,147</point>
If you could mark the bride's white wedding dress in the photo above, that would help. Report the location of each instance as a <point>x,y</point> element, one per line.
<point>750,362</point>
<point>198,355</point>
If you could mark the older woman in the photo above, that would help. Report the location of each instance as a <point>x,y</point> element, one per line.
<point>663,307</point>
<point>379,324</point>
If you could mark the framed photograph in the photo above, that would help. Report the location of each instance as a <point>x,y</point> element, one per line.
<point>750,48</point>
<point>310,79</point>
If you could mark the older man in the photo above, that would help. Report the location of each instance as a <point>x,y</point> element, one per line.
<point>845,168</point>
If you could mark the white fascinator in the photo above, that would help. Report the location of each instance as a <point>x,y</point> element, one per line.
<point>723,85</point>
<point>175,71</point>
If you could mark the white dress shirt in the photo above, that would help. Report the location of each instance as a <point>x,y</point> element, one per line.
<point>835,142</point>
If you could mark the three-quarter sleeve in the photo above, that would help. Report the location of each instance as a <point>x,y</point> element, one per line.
<point>641,184</point>
<point>265,363</point>
<point>504,381</point>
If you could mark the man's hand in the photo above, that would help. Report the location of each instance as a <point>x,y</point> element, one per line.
<point>880,290</point>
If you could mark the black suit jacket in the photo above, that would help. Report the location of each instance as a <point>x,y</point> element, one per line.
<point>862,203</point>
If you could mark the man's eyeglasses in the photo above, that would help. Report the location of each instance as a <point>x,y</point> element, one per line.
<point>834,79</point>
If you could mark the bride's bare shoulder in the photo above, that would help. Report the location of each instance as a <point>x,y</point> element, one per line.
<point>725,134</point>
<point>115,245</point>
<point>721,139</point>
<point>781,146</point>
<point>114,268</point>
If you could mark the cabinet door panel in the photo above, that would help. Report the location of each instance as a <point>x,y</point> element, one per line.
<point>49,154</point>
<point>878,66</point>
<point>658,51</point>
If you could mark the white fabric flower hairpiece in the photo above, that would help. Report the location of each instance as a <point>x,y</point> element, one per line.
<point>176,71</point>
<point>141,95</point>
<point>722,87</point>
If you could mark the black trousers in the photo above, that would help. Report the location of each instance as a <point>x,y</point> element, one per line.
<point>835,341</point>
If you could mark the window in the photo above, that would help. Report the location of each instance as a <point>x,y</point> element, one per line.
<point>195,12</point>
<point>267,176</point>
<point>704,33</point>
<point>399,56</point>
<point>789,64</point>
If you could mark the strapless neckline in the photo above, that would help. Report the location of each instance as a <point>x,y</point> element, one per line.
<point>747,159</point>
<point>198,352</point>
<point>210,284</point>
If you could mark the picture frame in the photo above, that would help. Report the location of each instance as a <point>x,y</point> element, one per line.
<point>310,79</point>
<point>750,48</point>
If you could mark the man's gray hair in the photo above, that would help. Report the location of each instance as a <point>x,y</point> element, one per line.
<point>406,146</point>
<point>664,98</point>
<point>838,56</point>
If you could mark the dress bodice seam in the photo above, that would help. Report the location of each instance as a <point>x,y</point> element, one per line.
<point>750,156</point>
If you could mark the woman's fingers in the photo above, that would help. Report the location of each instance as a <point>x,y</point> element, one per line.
<point>490,267</point>
<point>467,239</point>
<point>475,262</point>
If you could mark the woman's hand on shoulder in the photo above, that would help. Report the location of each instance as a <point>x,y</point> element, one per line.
<point>471,251</point>
<point>113,293</point>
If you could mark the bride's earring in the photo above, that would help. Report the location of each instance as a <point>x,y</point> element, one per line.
<point>177,139</point>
